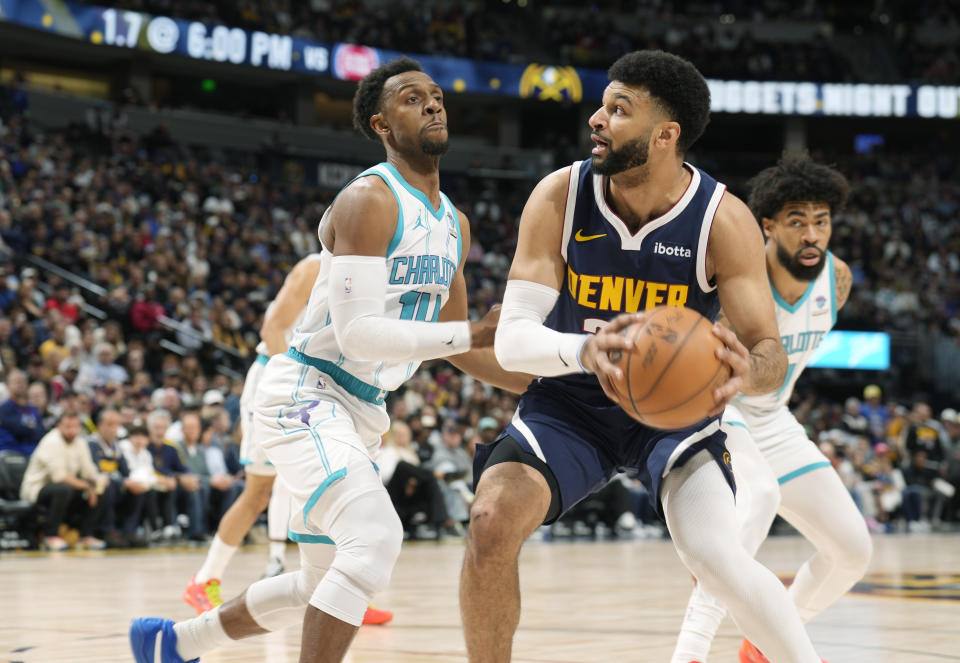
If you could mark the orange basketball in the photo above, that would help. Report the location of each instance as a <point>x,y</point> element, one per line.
<point>672,370</point>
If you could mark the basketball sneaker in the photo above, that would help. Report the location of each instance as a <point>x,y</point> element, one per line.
<point>750,654</point>
<point>153,636</point>
<point>374,617</point>
<point>203,596</point>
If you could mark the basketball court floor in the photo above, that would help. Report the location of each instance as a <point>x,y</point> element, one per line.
<point>582,602</point>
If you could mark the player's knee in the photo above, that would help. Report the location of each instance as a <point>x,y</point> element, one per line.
<point>857,551</point>
<point>368,558</point>
<point>492,533</point>
<point>765,491</point>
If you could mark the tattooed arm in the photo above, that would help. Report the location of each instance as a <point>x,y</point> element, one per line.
<point>843,280</point>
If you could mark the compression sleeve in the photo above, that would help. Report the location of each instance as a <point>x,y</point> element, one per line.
<point>524,344</point>
<point>357,294</point>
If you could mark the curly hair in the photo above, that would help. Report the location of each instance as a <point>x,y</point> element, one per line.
<point>366,101</point>
<point>674,83</point>
<point>796,177</point>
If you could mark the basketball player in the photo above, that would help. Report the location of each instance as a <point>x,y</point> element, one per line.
<point>319,408</point>
<point>632,228</point>
<point>794,202</point>
<point>260,491</point>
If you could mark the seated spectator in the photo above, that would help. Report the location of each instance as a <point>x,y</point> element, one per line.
<point>951,425</point>
<point>124,497</point>
<point>104,370</point>
<point>414,491</point>
<point>38,397</point>
<point>853,421</point>
<point>175,483</point>
<point>453,468</point>
<point>21,426</point>
<point>62,478</point>
<point>142,476</point>
<point>225,485</point>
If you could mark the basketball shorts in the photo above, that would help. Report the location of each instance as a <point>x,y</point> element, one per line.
<point>320,437</point>
<point>252,457</point>
<point>782,441</point>
<point>586,441</point>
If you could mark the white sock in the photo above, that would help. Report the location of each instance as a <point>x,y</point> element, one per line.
<point>200,634</point>
<point>703,617</point>
<point>278,550</point>
<point>217,559</point>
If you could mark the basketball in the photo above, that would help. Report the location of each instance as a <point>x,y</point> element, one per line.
<point>672,370</point>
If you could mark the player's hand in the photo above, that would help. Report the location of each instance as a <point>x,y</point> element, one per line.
<point>595,357</point>
<point>483,331</point>
<point>735,355</point>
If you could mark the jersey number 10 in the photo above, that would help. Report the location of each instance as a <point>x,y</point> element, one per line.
<point>416,304</point>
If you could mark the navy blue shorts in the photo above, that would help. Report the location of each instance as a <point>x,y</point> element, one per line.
<point>585,440</point>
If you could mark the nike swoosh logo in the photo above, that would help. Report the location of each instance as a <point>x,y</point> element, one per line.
<point>580,237</point>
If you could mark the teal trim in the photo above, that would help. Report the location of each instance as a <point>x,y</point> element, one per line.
<point>833,289</point>
<point>351,384</point>
<point>263,359</point>
<point>786,379</point>
<point>319,444</point>
<point>310,538</point>
<point>803,470</point>
<point>737,423</point>
<point>376,467</point>
<point>247,461</point>
<point>788,307</point>
<point>398,234</point>
<point>416,193</point>
<point>312,501</point>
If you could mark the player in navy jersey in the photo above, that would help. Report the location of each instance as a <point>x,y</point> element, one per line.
<point>600,241</point>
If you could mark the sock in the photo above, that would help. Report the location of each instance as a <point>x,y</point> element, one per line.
<point>703,617</point>
<point>201,634</point>
<point>278,549</point>
<point>217,559</point>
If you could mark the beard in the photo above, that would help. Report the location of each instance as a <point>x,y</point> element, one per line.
<point>433,148</point>
<point>797,269</point>
<point>633,153</point>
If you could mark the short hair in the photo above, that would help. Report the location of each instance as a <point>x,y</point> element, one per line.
<point>674,83</point>
<point>366,101</point>
<point>138,430</point>
<point>67,414</point>
<point>796,177</point>
<point>105,411</point>
<point>158,414</point>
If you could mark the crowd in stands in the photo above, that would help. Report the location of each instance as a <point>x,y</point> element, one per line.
<point>711,34</point>
<point>131,382</point>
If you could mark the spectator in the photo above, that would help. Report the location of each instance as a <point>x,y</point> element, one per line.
<point>453,469</point>
<point>37,397</point>
<point>853,421</point>
<point>874,412</point>
<point>124,496</point>
<point>62,301</point>
<point>175,483</point>
<point>21,425</point>
<point>62,478</point>
<point>225,485</point>
<point>104,371</point>
<point>143,478</point>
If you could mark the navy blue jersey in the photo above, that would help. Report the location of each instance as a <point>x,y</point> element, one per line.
<point>612,271</point>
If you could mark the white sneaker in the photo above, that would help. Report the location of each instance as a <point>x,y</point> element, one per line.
<point>274,568</point>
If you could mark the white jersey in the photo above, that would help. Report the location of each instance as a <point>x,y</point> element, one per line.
<point>422,259</point>
<point>802,326</point>
<point>288,333</point>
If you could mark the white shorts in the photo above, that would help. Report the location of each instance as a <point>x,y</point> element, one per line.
<point>318,435</point>
<point>782,441</point>
<point>252,457</point>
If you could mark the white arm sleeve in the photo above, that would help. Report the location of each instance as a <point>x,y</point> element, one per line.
<point>522,342</point>
<point>357,294</point>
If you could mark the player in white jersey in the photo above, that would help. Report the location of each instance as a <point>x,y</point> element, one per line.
<point>795,201</point>
<point>389,295</point>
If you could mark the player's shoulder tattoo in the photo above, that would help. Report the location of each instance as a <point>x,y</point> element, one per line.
<point>843,281</point>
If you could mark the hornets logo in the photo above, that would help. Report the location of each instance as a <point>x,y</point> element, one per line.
<point>548,83</point>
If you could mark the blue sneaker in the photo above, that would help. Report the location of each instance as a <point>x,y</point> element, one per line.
<point>153,640</point>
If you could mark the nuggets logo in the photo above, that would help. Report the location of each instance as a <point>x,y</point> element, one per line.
<point>821,300</point>
<point>348,285</point>
<point>548,83</point>
<point>931,586</point>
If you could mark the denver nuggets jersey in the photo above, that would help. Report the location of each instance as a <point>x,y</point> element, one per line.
<point>611,270</point>
<point>422,259</point>
<point>288,334</point>
<point>802,326</point>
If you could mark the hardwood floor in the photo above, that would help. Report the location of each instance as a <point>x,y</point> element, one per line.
<point>582,601</point>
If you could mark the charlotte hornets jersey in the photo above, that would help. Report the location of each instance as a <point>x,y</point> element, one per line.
<point>422,258</point>
<point>612,271</point>
<point>288,334</point>
<point>802,326</point>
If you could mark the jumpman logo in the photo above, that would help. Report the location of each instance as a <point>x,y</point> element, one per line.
<point>420,223</point>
